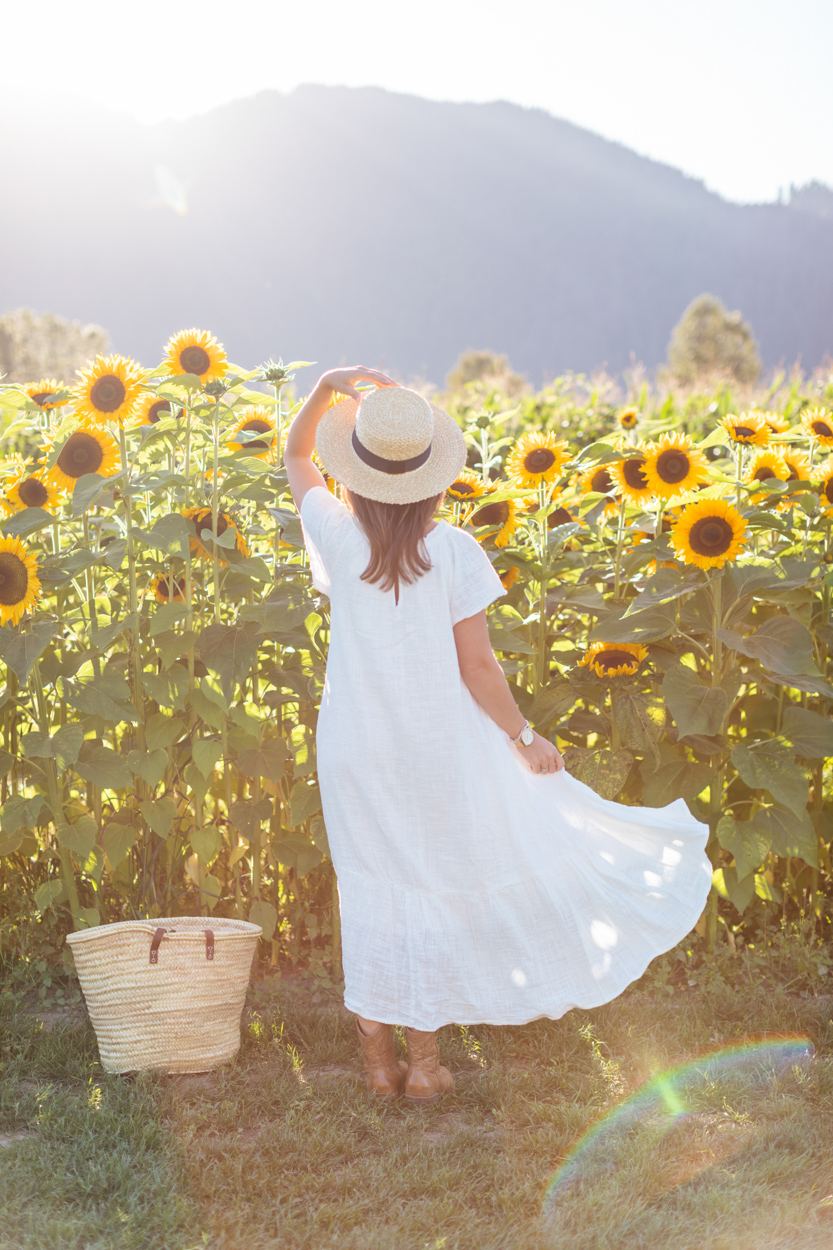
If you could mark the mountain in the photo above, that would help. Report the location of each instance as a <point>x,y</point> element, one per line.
<point>340,225</point>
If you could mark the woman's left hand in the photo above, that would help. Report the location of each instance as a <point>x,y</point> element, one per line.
<point>343,380</point>
<point>541,756</point>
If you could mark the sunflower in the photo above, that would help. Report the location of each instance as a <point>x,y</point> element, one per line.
<point>627,417</point>
<point>151,409</point>
<point>709,534</point>
<point>766,464</point>
<point>825,480</point>
<point>509,577</point>
<point>536,458</point>
<point>44,393</point>
<point>777,424</point>
<point>19,583</point>
<point>31,491</point>
<point>672,466</point>
<point>502,516</point>
<point>818,424</point>
<point>201,520</point>
<point>195,351</point>
<point>614,659</point>
<point>749,429</point>
<point>256,419</point>
<point>168,589</point>
<point>798,466</point>
<point>629,475</point>
<point>108,389</point>
<point>466,487</point>
<point>87,450</point>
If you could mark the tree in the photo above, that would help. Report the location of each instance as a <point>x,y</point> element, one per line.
<point>484,366</point>
<point>710,343</point>
<point>34,346</point>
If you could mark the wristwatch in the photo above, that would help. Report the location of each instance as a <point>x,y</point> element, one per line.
<point>525,737</point>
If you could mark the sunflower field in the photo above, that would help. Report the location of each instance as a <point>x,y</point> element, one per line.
<point>668,568</point>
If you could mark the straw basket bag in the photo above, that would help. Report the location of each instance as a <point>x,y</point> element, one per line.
<point>166,993</point>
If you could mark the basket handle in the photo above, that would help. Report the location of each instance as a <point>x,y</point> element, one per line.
<point>160,933</point>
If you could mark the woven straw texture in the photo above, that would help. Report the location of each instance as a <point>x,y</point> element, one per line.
<point>396,423</point>
<point>179,1014</point>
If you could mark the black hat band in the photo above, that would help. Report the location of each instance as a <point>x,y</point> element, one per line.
<point>388,466</point>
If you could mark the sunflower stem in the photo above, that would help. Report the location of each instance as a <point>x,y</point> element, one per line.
<point>55,800</point>
<point>215,506</point>
<point>717,771</point>
<point>620,542</point>
<point>134,643</point>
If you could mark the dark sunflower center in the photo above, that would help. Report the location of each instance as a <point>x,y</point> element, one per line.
<point>167,586</point>
<point>822,429</point>
<point>107,393</point>
<point>793,472</point>
<point>157,410</point>
<point>673,466</point>
<point>204,526</point>
<point>763,474</point>
<point>560,517</point>
<point>610,660</point>
<point>492,514</point>
<point>628,419</point>
<point>711,536</point>
<point>41,397</point>
<point>601,481</point>
<point>539,460</point>
<point>257,426</point>
<point>14,579</point>
<point>461,488</point>
<point>32,492</point>
<point>195,359</point>
<point>81,453</point>
<point>744,431</point>
<point>634,475</point>
<point>827,490</point>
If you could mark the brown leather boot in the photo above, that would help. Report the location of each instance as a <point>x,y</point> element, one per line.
<point>425,1079</point>
<point>385,1073</point>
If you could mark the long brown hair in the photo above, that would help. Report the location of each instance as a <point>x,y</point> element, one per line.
<point>395,532</point>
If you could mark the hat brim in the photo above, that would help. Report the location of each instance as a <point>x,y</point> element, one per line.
<point>334,445</point>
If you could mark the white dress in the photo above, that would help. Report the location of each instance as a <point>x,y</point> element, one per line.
<point>471,890</point>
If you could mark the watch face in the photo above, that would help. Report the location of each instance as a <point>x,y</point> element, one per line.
<point>526,737</point>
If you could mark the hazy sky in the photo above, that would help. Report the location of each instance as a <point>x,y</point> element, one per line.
<point>736,92</point>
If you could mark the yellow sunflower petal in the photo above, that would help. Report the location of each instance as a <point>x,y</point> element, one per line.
<point>255,419</point>
<point>466,487</point>
<point>798,466</point>
<point>536,458</point>
<point>709,534</point>
<point>502,517</point>
<point>673,466</point>
<point>19,583</point>
<point>614,659</point>
<point>201,521</point>
<point>749,428</point>
<point>628,417</point>
<point>817,424</point>
<point>629,476</point>
<point>151,409</point>
<point>108,389</point>
<point>197,352</point>
<point>45,393</point>
<point>31,490</point>
<point>87,449</point>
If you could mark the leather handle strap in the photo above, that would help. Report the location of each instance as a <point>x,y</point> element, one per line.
<point>154,946</point>
<point>209,944</point>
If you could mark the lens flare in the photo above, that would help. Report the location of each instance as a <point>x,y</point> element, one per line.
<point>670,1097</point>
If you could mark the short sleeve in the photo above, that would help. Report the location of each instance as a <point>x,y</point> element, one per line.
<point>324,520</point>
<point>475,583</point>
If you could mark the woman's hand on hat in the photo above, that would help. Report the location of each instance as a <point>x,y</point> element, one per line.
<point>342,380</point>
<point>541,756</point>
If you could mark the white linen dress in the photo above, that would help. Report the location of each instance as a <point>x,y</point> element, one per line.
<point>472,891</point>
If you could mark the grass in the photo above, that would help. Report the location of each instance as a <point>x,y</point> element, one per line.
<point>283,1148</point>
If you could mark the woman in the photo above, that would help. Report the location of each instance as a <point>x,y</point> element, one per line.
<point>479,882</point>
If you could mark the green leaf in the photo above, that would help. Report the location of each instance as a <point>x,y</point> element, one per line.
<point>26,521</point>
<point>503,639</point>
<point>206,709</point>
<point>47,895</point>
<point>165,617</point>
<point>229,651</point>
<point>159,814</point>
<point>246,818</point>
<point>211,891</point>
<point>304,801</point>
<point>168,689</point>
<point>789,833</point>
<point>206,753</point>
<point>21,650</point>
<point>696,708</point>
<point>767,890</point>
<point>553,701</point>
<point>172,645</point>
<point>318,833</point>
<point>298,852</point>
<point>665,586</point>
<point>149,765</point>
<point>63,746</point>
<point>738,891</point>
<point>265,915</point>
<point>8,846</point>
<point>286,610</point>
<point>749,843</point>
<point>197,784</point>
<point>770,765</point>
<point>207,843</point>
<point>114,553</point>
<point>255,568</point>
<point>640,721</point>
<point>6,762</point>
<point>118,841</point>
<point>646,626</point>
<point>103,767</point>
<point>603,771</point>
<point>171,535</point>
<point>163,731</point>
<point>105,696</point>
<point>104,638</point>
<point>79,838</point>
<point>677,779</point>
<point>810,733</point>
<point>14,814</point>
<point>266,762</point>
<point>88,488</point>
<point>90,917</point>
<point>782,645</point>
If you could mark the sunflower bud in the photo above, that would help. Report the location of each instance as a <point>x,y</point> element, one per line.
<point>216,388</point>
<point>274,374</point>
<point>483,422</point>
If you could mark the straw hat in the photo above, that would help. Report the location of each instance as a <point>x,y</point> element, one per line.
<point>394,447</point>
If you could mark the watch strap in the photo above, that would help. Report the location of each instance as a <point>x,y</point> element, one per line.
<point>524,726</point>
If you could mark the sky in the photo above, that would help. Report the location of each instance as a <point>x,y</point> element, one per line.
<point>738,93</point>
